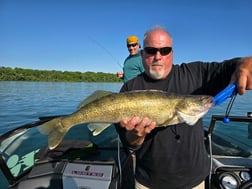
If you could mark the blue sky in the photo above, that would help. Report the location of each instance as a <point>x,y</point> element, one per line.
<point>82,35</point>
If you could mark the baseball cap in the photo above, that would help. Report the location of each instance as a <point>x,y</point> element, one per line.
<point>132,39</point>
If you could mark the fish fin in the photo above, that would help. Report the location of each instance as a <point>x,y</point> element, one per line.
<point>55,131</point>
<point>96,95</point>
<point>97,128</point>
<point>189,119</point>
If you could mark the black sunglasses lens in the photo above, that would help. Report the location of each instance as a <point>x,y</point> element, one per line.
<point>150,50</point>
<point>163,51</point>
<point>132,45</point>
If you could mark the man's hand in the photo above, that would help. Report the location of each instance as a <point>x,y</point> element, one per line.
<point>243,75</point>
<point>137,129</point>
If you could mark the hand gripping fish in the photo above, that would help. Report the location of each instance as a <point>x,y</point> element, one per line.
<point>163,108</point>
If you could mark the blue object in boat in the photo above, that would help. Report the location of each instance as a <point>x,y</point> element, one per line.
<point>226,93</point>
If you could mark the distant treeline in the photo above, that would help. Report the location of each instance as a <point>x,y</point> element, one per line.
<point>20,74</point>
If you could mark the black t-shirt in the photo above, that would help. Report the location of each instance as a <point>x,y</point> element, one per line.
<point>175,156</point>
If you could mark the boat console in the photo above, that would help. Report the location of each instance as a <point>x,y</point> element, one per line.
<point>65,175</point>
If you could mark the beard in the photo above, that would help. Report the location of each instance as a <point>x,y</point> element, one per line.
<point>156,74</point>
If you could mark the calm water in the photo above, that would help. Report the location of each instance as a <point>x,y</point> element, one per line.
<point>23,102</point>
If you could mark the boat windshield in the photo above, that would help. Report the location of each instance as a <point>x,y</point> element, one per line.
<point>18,147</point>
<point>233,138</point>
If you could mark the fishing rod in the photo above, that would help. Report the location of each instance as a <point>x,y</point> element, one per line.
<point>106,50</point>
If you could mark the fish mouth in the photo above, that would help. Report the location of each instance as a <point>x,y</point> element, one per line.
<point>209,102</point>
<point>209,105</point>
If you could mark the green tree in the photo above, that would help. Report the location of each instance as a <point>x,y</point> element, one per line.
<point>20,74</point>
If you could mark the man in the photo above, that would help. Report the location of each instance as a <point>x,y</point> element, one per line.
<point>174,157</point>
<point>133,63</point>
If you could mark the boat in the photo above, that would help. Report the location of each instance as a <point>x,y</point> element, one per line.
<point>81,161</point>
<point>230,148</point>
<point>84,161</point>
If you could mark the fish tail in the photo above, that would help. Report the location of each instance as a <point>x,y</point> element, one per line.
<point>55,131</point>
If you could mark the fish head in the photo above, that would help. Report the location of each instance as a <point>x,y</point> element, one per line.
<point>192,108</point>
<point>199,104</point>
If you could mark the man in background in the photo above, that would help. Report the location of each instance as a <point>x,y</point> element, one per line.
<point>133,63</point>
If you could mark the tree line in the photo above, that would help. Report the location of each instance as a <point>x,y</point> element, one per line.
<point>20,74</point>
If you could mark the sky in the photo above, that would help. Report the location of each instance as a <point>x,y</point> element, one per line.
<point>90,35</point>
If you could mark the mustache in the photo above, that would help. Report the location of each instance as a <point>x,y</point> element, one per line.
<point>157,63</point>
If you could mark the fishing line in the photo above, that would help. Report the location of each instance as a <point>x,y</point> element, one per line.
<point>106,50</point>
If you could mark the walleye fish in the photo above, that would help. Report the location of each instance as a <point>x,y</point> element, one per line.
<point>163,108</point>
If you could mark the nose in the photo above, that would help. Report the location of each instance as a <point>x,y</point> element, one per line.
<point>157,56</point>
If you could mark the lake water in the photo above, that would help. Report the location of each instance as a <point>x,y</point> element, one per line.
<point>24,102</point>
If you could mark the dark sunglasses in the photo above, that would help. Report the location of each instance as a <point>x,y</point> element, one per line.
<point>163,51</point>
<point>132,45</point>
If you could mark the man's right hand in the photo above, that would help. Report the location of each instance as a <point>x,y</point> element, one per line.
<point>137,129</point>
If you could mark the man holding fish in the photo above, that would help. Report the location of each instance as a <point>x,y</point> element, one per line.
<point>164,95</point>
<point>175,157</point>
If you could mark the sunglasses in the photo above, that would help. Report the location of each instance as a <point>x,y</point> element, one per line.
<point>131,45</point>
<point>163,51</point>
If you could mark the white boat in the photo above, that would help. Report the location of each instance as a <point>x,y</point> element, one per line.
<point>83,161</point>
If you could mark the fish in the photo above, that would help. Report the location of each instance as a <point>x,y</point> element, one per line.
<point>103,108</point>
